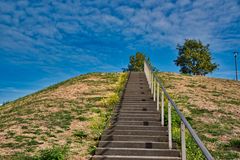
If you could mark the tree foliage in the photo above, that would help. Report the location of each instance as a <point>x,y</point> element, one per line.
<point>136,62</point>
<point>194,58</point>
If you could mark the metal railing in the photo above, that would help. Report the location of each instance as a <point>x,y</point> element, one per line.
<point>155,85</point>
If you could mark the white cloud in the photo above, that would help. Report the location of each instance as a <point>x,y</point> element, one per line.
<point>42,28</point>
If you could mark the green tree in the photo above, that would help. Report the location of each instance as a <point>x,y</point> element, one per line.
<point>136,62</point>
<point>194,58</point>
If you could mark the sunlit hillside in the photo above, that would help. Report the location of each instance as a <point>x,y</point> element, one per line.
<point>213,108</point>
<point>64,120</point>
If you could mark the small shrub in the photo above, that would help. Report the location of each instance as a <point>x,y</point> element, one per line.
<point>80,134</point>
<point>62,119</point>
<point>82,118</point>
<point>55,153</point>
<point>95,110</point>
<point>235,143</point>
<point>92,149</point>
<point>22,156</point>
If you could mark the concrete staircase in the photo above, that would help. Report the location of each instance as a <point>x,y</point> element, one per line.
<point>135,131</point>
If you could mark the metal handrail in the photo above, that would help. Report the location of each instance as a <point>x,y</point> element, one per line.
<point>154,81</point>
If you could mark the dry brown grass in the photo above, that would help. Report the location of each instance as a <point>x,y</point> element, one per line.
<point>214,107</point>
<point>53,116</point>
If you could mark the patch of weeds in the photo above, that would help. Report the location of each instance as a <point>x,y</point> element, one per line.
<point>12,145</point>
<point>82,118</point>
<point>198,111</point>
<point>95,110</point>
<point>24,127</point>
<point>190,85</point>
<point>32,142</point>
<point>181,99</point>
<point>215,132</point>
<point>97,126</point>
<point>21,138</point>
<point>69,140</point>
<point>202,86</point>
<point>176,78</point>
<point>110,101</point>
<point>29,149</point>
<point>233,144</point>
<point>193,151</point>
<point>94,99</point>
<point>54,153</point>
<point>226,155</point>
<point>232,101</point>
<point>21,156</point>
<point>80,134</point>
<point>212,140</point>
<point>89,105</point>
<point>78,111</point>
<point>216,93</point>
<point>20,120</point>
<point>61,119</point>
<point>92,149</point>
<point>43,138</point>
<point>37,132</point>
<point>10,134</point>
<point>49,134</point>
<point>59,131</point>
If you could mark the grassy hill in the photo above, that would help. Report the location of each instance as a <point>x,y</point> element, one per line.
<point>64,120</point>
<point>212,106</point>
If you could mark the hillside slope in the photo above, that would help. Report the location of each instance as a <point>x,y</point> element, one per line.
<point>64,120</point>
<point>212,107</point>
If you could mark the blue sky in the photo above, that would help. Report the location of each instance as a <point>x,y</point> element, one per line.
<point>45,42</point>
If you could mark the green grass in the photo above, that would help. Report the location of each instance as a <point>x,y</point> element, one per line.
<point>232,101</point>
<point>54,153</point>
<point>211,107</point>
<point>193,151</point>
<point>47,116</point>
<point>80,134</point>
<point>62,119</point>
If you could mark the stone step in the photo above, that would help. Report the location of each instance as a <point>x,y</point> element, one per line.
<point>135,132</point>
<point>136,112</point>
<point>137,123</point>
<point>120,157</point>
<point>129,127</point>
<point>139,109</point>
<point>156,115</point>
<point>134,138</point>
<point>135,144</point>
<point>135,119</point>
<point>138,152</point>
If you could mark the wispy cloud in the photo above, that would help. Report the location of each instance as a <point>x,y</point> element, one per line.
<point>61,37</point>
<point>35,27</point>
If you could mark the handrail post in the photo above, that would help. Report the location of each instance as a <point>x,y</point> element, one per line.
<point>149,82</point>
<point>154,89</point>
<point>162,109</point>
<point>183,141</point>
<point>148,73</point>
<point>152,83</point>
<point>157,96</point>
<point>169,126</point>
